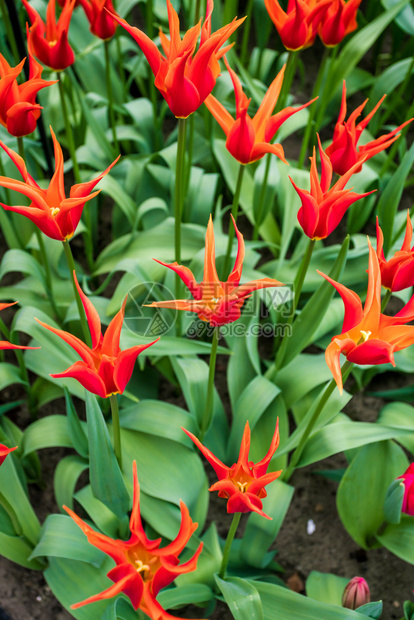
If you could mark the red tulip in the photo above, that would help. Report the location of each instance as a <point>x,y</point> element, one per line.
<point>49,42</point>
<point>143,568</point>
<point>243,483</point>
<point>248,139</point>
<point>323,208</point>
<point>4,451</point>
<point>356,593</point>
<point>215,301</point>
<point>183,76</point>
<point>397,273</point>
<point>98,12</point>
<point>19,111</point>
<point>344,151</point>
<point>368,337</point>
<point>53,213</point>
<point>338,21</point>
<point>105,369</point>
<point>298,26</point>
<point>408,500</point>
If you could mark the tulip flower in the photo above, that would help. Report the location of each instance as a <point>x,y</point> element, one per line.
<point>215,301</point>
<point>368,337</point>
<point>356,593</point>
<point>323,208</point>
<point>248,139</point>
<point>142,568</point>
<point>298,25</point>
<point>49,42</point>
<point>53,213</point>
<point>183,76</point>
<point>397,273</point>
<point>104,369</point>
<point>408,501</point>
<point>243,483</point>
<point>338,21</point>
<point>4,344</point>
<point>19,111</point>
<point>101,21</point>
<point>4,451</point>
<point>344,151</point>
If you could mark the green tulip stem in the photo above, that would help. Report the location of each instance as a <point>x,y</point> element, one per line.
<point>298,284</point>
<point>81,310</point>
<point>113,399</point>
<point>230,537</point>
<point>312,109</point>
<point>246,32</point>
<point>178,204</point>
<point>234,212</point>
<point>385,300</point>
<point>110,95</point>
<point>208,412</point>
<point>69,134</point>
<point>346,369</point>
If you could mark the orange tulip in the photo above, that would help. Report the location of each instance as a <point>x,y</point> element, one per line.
<point>215,301</point>
<point>243,483</point>
<point>338,21</point>
<point>368,337</point>
<point>248,139</point>
<point>49,42</point>
<point>98,12</point>
<point>143,567</point>
<point>183,76</point>
<point>324,207</point>
<point>298,26</point>
<point>19,111</point>
<point>53,213</point>
<point>397,273</point>
<point>344,151</point>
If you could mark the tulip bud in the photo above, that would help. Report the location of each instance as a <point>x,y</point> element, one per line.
<point>356,593</point>
<point>408,500</point>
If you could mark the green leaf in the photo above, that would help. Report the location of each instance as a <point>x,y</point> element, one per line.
<point>372,610</point>
<point>9,375</point>
<point>393,501</point>
<point>105,476</point>
<point>325,587</point>
<point>22,262</point>
<point>242,598</point>
<point>60,537</point>
<point>279,602</point>
<point>47,432</point>
<point>405,19</point>
<point>399,538</point>
<point>75,427</point>
<point>391,196</point>
<point>121,609</point>
<point>260,533</point>
<point>158,418</point>
<point>191,594</point>
<point>399,415</point>
<point>67,474</point>
<point>362,490</point>
<point>17,550</point>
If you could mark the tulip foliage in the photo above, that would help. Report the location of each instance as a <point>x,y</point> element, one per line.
<point>206,217</point>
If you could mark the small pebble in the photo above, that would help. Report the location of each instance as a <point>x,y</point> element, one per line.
<point>311,527</point>
<point>319,507</point>
<point>396,604</point>
<point>38,598</point>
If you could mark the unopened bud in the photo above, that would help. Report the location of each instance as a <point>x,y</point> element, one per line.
<point>408,480</point>
<point>356,593</point>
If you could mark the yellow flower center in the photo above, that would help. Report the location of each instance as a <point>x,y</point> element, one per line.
<point>54,212</point>
<point>242,486</point>
<point>142,568</point>
<point>365,335</point>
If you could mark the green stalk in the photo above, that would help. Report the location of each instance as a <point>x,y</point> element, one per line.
<point>110,95</point>
<point>69,134</point>
<point>11,39</point>
<point>246,32</point>
<point>178,204</point>
<point>116,428</point>
<point>197,12</point>
<point>346,369</point>
<point>298,284</point>
<point>323,101</point>
<point>12,514</point>
<point>208,412</point>
<point>230,537</point>
<point>312,110</point>
<point>385,300</point>
<point>81,310</point>
<point>234,212</point>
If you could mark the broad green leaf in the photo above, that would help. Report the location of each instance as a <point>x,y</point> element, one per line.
<point>121,609</point>
<point>399,538</point>
<point>299,377</point>
<point>105,475</point>
<point>279,602</point>
<point>191,594</point>
<point>362,490</point>
<point>208,563</point>
<point>325,587</point>
<point>372,610</point>
<point>391,196</point>
<point>76,429</point>
<point>399,415</point>
<point>9,375</point>
<point>393,501</point>
<point>17,550</point>
<point>67,475</point>
<point>22,262</point>
<point>103,518</point>
<point>242,598</point>
<point>260,533</point>
<point>158,418</point>
<point>48,432</point>
<point>60,537</point>
<point>405,19</point>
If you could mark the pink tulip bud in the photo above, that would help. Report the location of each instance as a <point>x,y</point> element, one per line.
<point>356,593</point>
